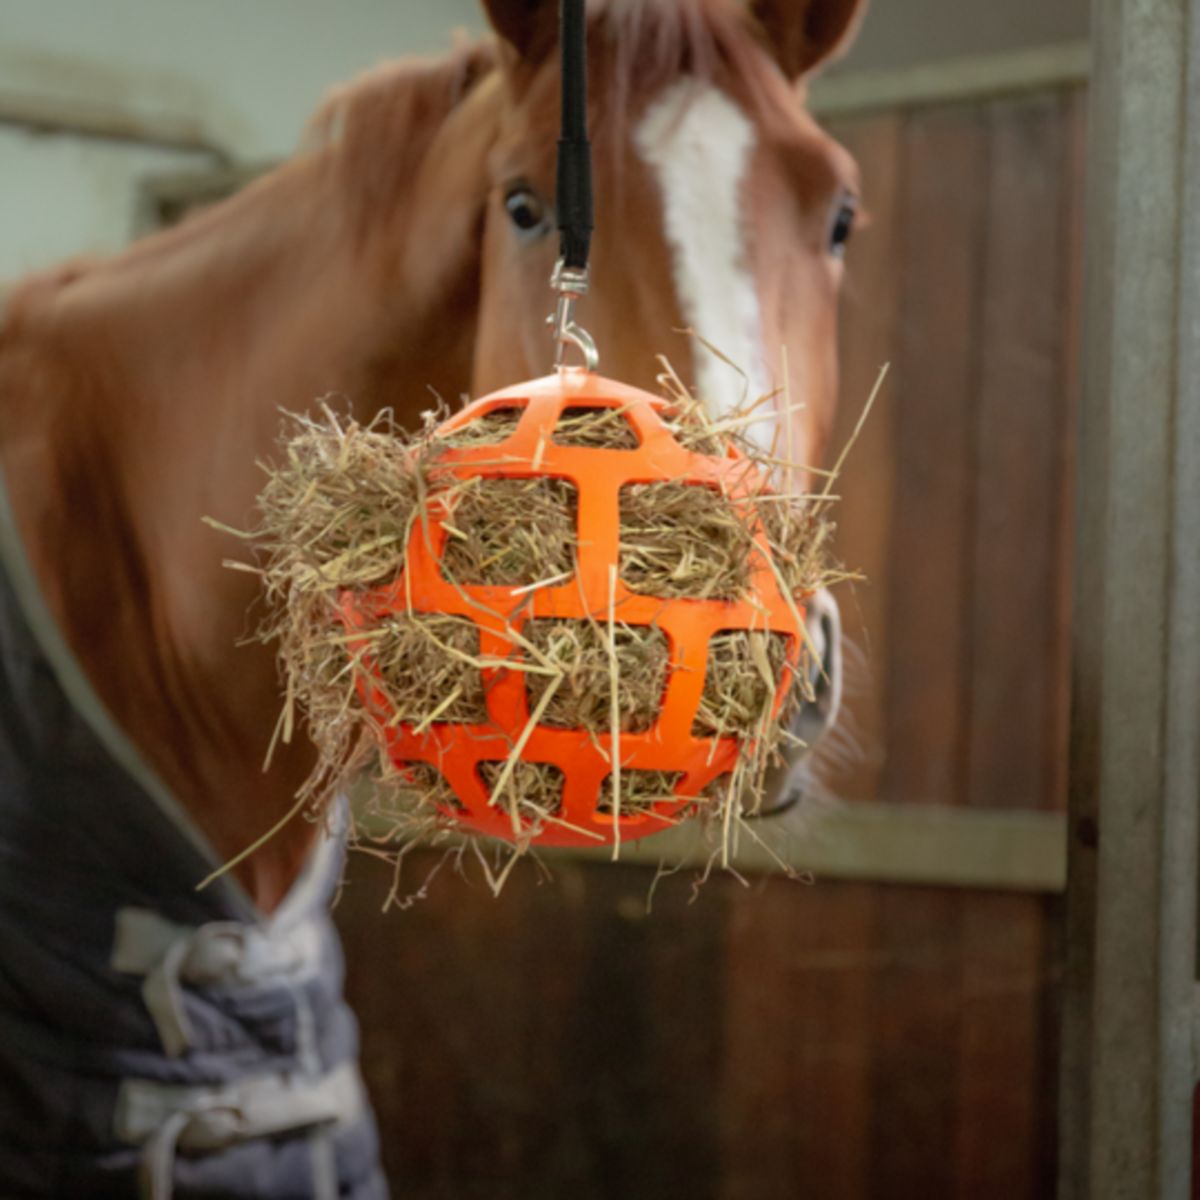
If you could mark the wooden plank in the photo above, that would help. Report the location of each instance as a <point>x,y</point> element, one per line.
<point>913,1026</point>
<point>914,1030</point>
<point>1002,1005</point>
<point>848,762</point>
<point>641,1078</point>
<point>554,1041</point>
<point>1014,600</point>
<point>796,1088</point>
<point>1074,117</point>
<point>1136,735</point>
<point>944,180</point>
<point>560,1041</point>
<point>1079,910</point>
<point>441,1010</point>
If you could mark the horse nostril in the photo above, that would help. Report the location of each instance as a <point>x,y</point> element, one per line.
<point>843,227</point>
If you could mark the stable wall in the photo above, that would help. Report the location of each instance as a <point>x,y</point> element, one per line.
<point>844,1038</point>
<point>236,80</point>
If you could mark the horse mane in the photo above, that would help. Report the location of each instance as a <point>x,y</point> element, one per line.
<point>372,132</point>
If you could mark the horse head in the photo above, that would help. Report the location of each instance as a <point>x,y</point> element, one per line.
<point>407,247</point>
<point>722,208</point>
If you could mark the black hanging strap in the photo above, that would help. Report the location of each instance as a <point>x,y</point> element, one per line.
<point>574,183</point>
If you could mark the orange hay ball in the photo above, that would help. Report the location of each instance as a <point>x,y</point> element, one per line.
<point>597,475</point>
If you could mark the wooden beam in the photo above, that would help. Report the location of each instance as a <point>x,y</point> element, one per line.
<point>1128,1066</point>
<point>934,845</point>
<point>981,77</point>
<point>927,844</point>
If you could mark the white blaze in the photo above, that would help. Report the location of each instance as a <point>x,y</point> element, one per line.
<point>698,142</point>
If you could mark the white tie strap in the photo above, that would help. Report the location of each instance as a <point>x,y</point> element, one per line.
<point>219,954</point>
<point>164,1118</point>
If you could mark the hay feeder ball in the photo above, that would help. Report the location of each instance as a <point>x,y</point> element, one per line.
<point>586,567</point>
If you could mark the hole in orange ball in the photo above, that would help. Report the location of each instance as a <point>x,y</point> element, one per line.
<point>736,693</point>
<point>535,789</point>
<point>640,791</point>
<point>419,783</point>
<point>420,663</point>
<point>684,540</point>
<point>583,699</point>
<point>510,532</point>
<point>598,428</point>
<point>494,426</point>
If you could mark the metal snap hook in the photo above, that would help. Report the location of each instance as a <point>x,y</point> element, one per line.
<point>570,284</point>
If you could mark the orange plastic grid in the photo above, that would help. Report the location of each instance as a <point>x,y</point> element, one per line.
<point>598,476</point>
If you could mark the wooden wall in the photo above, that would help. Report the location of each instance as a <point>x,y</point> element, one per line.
<point>834,1040</point>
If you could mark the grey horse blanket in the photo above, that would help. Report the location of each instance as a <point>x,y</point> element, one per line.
<point>154,1041</point>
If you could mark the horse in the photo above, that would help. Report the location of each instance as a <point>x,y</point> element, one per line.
<point>405,248</point>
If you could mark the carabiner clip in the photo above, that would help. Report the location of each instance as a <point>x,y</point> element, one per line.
<point>570,284</point>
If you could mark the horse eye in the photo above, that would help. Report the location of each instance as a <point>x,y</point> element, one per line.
<point>843,227</point>
<point>526,210</point>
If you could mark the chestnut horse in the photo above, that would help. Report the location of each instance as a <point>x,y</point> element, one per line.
<point>406,248</point>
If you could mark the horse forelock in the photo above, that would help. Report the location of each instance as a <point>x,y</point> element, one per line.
<point>652,45</point>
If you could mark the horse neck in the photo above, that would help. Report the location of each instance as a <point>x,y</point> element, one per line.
<point>142,394</point>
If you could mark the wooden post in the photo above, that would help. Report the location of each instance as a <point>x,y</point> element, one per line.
<point>1128,1066</point>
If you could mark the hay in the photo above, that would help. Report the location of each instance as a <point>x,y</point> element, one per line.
<point>640,791</point>
<point>510,532</point>
<point>597,428</point>
<point>398,792</point>
<point>490,429</point>
<point>530,792</point>
<point>799,544</point>
<point>579,651</point>
<point>427,665</point>
<point>336,512</point>
<point>740,682</point>
<point>684,540</point>
<point>335,516</point>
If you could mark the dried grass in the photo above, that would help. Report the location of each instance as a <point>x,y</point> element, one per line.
<point>530,792</point>
<point>490,429</point>
<point>510,532</point>
<point>684,540</point>
<point>398,793</point>
<point>740,682</point>
<point>640,791</point>
<point>598,428</point>
<point>578,650</point>
<point>427,664</point>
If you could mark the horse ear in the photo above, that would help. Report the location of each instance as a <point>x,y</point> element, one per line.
<point>530,27</point>
<point>803,34</point>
